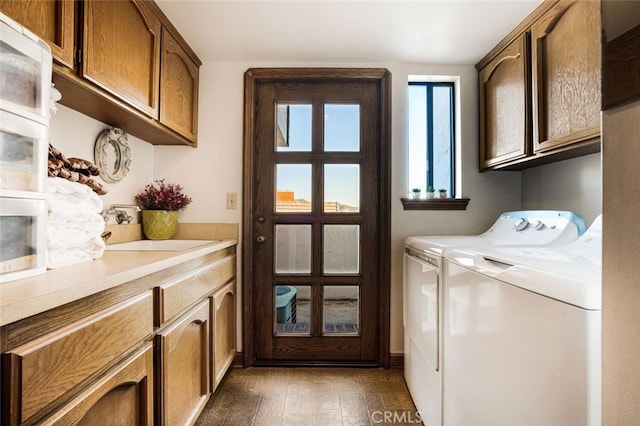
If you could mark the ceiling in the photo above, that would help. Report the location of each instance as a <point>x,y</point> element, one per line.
<point>345,31</point>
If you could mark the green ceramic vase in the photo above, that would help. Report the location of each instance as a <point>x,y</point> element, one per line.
<point>159,224</point>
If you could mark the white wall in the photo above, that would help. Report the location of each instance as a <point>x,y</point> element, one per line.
<point>75,134</point>
<point>574,185</point>
<point>620,266</point>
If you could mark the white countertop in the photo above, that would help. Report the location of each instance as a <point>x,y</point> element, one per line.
<point>23,298</point>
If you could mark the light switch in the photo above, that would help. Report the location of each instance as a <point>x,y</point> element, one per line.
<point>232,200</point>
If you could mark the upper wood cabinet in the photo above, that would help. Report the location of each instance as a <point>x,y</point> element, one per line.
<point>504,105</point>
<point>120,62</point>
<point>566,74</point>
<point>52,21</point>
<point>121,51</point>
<point>178,88</point>
<point>539,89</point>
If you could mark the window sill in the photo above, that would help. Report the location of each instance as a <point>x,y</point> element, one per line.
<point>435,204</point>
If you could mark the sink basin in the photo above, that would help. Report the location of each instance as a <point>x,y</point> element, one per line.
<point>158,245</point>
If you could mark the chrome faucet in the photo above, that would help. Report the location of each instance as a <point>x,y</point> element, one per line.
<point>120,211</point>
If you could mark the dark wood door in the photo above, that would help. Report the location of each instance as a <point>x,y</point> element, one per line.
<point>316,217</point>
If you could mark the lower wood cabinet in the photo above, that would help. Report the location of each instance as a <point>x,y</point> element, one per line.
<point>38,374</point>
<point>223,310</point>
<point>124,396</point>
<point>147,352</point>
<point>183,367</point>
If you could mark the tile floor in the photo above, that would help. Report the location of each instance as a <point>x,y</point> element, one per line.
<point>311,396</point>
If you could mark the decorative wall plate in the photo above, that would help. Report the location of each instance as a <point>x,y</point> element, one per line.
<point>112,154</point>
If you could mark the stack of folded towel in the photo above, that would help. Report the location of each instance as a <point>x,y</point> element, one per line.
<point>74,225</point>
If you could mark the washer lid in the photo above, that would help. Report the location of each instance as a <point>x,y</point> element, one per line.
<point>572,274</point>
<point>528,227</point>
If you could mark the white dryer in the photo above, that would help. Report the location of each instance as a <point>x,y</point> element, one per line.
<point>522,335</point>
<point>424,269</point>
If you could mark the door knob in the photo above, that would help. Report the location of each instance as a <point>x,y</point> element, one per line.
<point>261,239</point>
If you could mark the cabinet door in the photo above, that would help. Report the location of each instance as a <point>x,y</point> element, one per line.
<point>224,331</point>
<point>566,74</point>
<point>44,372</point>
<point>182,372</point>
<point>124,396</point>
<point>178,89</point>
<point>504,106</point>
<point>121,51</point>
<point>51,20</point>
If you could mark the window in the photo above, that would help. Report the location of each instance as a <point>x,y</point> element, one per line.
<point>432,136</point>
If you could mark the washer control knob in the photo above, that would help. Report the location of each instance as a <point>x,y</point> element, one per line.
<point>538,225</point>
<point>521,225</point>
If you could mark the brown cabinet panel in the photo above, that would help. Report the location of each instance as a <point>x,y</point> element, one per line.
<point>178,89</point>
<point>177,295</point>
<point>223,307</point>
<point>566,74</point>
<point>558,48</point>
<point>504,105</point>
<point>124,396</point>
<point>51,20</point>
<point>183,367</point>
<point>121,51</point>
<point>44,369</point>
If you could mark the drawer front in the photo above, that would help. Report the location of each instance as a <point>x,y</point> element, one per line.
<point>176,296</point>
<point>124,396</point>
<point>45,369</point>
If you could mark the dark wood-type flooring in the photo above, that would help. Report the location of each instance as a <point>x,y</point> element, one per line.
<point>311,396</point>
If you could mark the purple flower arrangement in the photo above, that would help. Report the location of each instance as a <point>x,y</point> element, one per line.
<point>160,195</point>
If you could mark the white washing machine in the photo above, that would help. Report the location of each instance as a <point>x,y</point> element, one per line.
<point>424,270</point>
<point>522,335</point>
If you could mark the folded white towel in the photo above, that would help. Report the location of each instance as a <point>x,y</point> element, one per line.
<point>64,210</point>
<point>74,224</point>
<point>75,192</point>
<point>69,235</point>
<point>57,258</point>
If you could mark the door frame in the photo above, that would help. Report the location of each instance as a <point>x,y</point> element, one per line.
<point>253,77</point>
